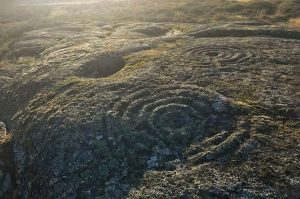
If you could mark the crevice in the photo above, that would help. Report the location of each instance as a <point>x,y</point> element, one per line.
<point>102,67</point>
<point>151,31</point>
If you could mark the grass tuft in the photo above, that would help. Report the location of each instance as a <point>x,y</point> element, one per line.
<point>295,22</point>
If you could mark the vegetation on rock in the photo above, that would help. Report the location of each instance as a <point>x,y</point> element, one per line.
<point>127,108</point>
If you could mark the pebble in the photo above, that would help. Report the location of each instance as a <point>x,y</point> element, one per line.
<point>99,137</point>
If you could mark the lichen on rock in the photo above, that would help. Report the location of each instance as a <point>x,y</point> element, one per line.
<point>131,111</point>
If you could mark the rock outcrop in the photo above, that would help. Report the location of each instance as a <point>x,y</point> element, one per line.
<point>154,110</point>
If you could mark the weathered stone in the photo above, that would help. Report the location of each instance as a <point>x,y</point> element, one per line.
<point>5,183</point>
<point>120,111</point>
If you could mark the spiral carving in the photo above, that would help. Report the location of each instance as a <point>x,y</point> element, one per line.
<point>180,116</point>
<point>217,55</point>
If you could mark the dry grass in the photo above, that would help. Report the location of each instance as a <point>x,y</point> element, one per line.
<point>5,46</point>
<point>228,17</point>
<point>2,64</point>
<point>14,19</point>
<point>5,138</point>
<point>58,13</point>
<point>24,60</point>
<point>295,22</point>
<point>21,60</point>
<point>161,17</point>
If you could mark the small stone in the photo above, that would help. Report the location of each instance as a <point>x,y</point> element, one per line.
<point>152,163</point>
<point>124,173</point>
<point>219,107</point>
<point>154,158</point>
<point>209,157</point>
<point>140,146</point>
<point>99,137</point>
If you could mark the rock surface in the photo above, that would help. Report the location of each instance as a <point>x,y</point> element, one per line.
<point>154,110</point>
<point>5,174</point>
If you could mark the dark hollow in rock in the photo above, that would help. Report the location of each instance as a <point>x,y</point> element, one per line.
<point>101,68</point>
<point>213,54</point>
<point>151,31</point>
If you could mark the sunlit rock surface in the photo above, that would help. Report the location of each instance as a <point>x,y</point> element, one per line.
<point>153,110</point>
